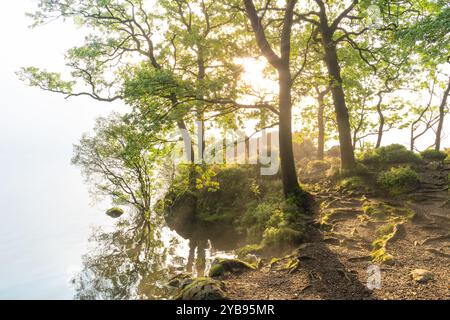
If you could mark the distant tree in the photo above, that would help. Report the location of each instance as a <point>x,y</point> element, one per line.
<point>429,38</point>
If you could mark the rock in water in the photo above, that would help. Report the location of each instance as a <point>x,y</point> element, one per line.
<point>203,289</point>
<point>115,212</point>
<point>421,275</point>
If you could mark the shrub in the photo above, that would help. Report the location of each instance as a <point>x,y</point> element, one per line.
<point>433,155</point>
<point>388,155</point>
<point>398,180</point>
<point>273,223</point>
<point>256,218</point>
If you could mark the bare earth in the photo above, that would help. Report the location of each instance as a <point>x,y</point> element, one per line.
<point>333,263</point>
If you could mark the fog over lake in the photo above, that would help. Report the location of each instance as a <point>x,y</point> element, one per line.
<point>46,212</point>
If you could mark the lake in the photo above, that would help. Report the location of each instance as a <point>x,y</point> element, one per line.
<point>46,212</point>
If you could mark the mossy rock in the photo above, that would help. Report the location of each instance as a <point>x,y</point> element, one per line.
<point>203,289</point>
<point>115,213</point>
<point>221,267</point>
<point>359,170</point>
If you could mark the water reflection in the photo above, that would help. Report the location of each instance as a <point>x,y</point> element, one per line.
<point>200,259</point>
<point>119,267</point>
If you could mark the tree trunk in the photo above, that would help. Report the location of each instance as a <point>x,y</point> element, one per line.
<point>288,172</point>
<point>291,186</point>
<point>381,123</point>
<point>342,117</point>
<point>441,117</point>
<point>412,140</point>
<point>321,126</point>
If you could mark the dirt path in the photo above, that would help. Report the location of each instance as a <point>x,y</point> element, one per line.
<point>334,260</point>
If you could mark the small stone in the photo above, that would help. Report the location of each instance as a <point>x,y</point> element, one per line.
<point>421,275</point>
<point>115,213</point>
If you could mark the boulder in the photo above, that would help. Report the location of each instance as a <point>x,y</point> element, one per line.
<point>115,212</point>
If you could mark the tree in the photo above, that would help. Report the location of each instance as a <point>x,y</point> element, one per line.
<point>327,29</point>
<point>425,116</point>
<point>282,63</point>
<point>121,162</point>
<point>321,121</point>
<point>429,37</point>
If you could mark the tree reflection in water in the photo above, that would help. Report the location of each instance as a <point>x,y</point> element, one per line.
<point>119,267</point>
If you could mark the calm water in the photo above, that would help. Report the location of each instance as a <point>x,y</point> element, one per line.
<point>45,211</point>
<point>45,223</point>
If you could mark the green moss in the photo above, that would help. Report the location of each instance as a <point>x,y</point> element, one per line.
<point>381,256</point>
<point>398,180</point>
<point>375,210</point>
<point>433,155</point>
<point>384,234</point>
<point>389,155</point>
<point>274,222</point>
<point>380,211</point>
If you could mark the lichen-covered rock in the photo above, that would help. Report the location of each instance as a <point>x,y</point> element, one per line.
<point>221,266</point>
<point>202,289</point>
<point>115,212</point>
<point>421,275</point>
